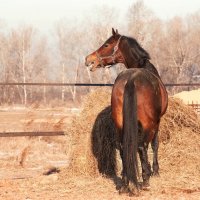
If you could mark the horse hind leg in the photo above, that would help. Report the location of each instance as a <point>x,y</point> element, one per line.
<point>155,145</point>
<point>124,185</point>
<point>146,167</point>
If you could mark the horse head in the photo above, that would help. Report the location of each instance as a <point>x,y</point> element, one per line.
<point>108,54</point>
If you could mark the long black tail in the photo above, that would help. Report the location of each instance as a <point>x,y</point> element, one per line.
<point>130,132</point>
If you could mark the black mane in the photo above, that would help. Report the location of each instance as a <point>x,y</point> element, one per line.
<point>138,50</point>
<point>138,57</point>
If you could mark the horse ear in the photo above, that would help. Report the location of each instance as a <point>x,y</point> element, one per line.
<point>117,32</point>
<point>113,32</point>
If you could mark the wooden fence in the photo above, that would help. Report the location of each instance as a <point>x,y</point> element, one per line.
<point>195,106</point>
<point>39,133</point>
<point>97,84</point>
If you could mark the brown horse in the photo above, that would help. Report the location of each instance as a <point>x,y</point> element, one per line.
<point>139,100</point>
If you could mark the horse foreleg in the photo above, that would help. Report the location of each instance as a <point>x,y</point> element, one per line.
<point>146,167</point>
<point>155,145</point>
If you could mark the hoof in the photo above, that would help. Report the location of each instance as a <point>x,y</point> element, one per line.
<point>130,190</point>
<point>123,189</point>
<point>133,190</point>
<point>146,186</point>
<point>156,174</point>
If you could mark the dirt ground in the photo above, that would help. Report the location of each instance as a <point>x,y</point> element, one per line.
<point>85,188</point>
<point>24,160</point>
<point>31,155</point>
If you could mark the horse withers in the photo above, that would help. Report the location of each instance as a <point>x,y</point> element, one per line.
<point>139,99</point>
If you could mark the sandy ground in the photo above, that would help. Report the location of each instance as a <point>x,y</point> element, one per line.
<point>84,188</point>
<point>29,156</point>
<point>24,160</point>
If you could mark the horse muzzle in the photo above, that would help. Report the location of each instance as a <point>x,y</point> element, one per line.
<point>92,62</point>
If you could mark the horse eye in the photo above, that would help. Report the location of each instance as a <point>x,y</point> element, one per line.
<point>106,45</point>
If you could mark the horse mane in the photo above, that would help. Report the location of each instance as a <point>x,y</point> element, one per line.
<point>141,57</point>
<point>141,53</point>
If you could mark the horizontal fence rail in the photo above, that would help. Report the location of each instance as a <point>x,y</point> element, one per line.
<point>39,133</point>
<point>61,133</point>
<point>60,84</point>
<point>95,84</point>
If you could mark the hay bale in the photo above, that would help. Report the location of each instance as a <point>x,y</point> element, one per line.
<point>176,125</point>
<point>82,159</point>
<point>178,117</point>
<point>179,150</point>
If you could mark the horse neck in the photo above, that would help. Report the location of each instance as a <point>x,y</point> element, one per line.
<point>149,66</point>
<point>128,59</point>
<point>146,65</point>
<point>131,61</point>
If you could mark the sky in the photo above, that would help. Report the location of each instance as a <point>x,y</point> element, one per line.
<point>44,13</point>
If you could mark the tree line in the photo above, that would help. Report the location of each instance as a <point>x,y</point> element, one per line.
<point>26,55</point>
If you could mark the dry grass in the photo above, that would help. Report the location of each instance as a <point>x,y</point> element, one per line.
<point>33,153</point>
<point>83,161</point>
<point>178,117</point>
<point>178,154</point>
<point>23,155</point>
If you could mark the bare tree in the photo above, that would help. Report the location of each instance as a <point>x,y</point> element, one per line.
<point>140,20</point>
<point>181,50</point>
<point>27,58</point>
<point>173,45</point>
<point>69,41</point>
